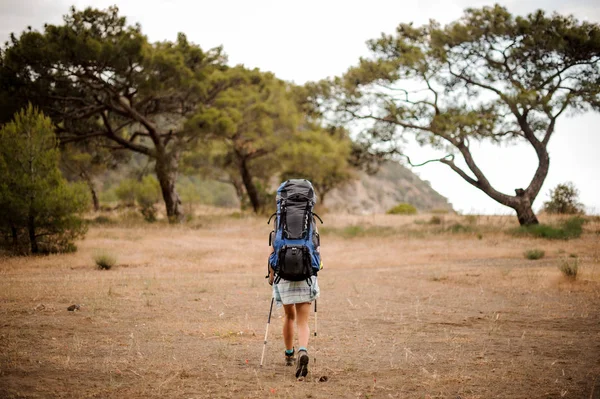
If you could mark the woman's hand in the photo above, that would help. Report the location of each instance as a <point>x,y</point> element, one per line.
<point>271,276</point>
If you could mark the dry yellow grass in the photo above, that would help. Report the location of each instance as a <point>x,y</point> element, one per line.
<point>405,312</point>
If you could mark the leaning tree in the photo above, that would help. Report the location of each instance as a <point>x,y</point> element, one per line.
<point>489,76</point>
<point>99,78</point>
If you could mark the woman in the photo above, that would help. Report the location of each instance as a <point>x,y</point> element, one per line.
<point>295,246</point>
<point>296,298</point>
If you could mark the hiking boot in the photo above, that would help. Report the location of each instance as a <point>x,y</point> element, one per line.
<point>302,364</point>
<point>289,359</point>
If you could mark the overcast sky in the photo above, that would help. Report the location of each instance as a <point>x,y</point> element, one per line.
<point>311,40</point>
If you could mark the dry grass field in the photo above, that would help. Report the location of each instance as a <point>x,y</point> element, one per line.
<point>408,309</point>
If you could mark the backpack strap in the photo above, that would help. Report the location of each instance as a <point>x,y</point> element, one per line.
<point>282,219</point>
<point>269,221</point>
<point>307,261</point>
<point>318,217</point>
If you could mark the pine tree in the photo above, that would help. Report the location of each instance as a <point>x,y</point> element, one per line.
<point>39,208</point>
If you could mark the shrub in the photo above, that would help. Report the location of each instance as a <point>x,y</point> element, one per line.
<point>105,260</point>
<point>459,228</point>
<point>534,254</point>
<point>102,220</point>
<point>194,190</point>
<point>564,200</point>
<point>471,219</point>
<point>146,193</point>
<point>440,211</point>
<point>571,228</point>
<point>125,191</point>
<point>403,209</point>
<point>569,267</point>
<point>435,220</point>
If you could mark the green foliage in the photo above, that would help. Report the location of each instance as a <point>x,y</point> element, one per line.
<point>569,267</point>
<point>402,209</point>
<point>105,260</point>
<point>99,78</point>
<point>245,125</point>
<point>320,156</point>
<point>571,228</point>
<point>256,131</point>
<point>194,190</point>
<point>534,254</point>
<point>564,200</point>
<point>40,210</point>
<point>148,194</point>
<point>126,191</point>
<point>85,161</point>
<point>144,193</point>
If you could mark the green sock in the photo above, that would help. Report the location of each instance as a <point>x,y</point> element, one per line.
<point>303,349</point>
<point>289,351</point>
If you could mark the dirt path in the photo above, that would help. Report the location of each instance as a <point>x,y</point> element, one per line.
<point>184,313</point>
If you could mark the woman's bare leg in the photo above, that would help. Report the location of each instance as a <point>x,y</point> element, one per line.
<point>288,326</point>
<point>302,315</point>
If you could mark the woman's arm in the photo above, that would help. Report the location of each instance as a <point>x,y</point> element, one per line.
<point>271,275</point>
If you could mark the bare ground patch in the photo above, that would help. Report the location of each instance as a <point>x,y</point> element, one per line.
<point>401,315</point>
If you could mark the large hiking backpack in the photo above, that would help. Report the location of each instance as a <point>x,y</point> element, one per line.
<point>295,239</point>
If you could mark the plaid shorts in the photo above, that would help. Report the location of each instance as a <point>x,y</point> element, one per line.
<point>288,292</point>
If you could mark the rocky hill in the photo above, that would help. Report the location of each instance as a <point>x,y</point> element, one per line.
<point>392,184</point>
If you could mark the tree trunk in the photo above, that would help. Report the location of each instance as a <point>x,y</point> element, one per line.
<point>524,211</point>
<point>92,189</point>
<point>250,187</point>
<point>239,188</point>
<point>523,199</point>
<point>32,237</point>
<point>15,236</point>
<point>526,216</point>
<point>95,198</point>
<point>167,167</point>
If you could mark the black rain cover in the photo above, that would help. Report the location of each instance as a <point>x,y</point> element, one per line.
<point>299,197</point>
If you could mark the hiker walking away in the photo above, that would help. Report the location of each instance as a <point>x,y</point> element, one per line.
<point>293,265</point>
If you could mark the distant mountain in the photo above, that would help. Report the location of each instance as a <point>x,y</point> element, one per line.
<point>392,184</point>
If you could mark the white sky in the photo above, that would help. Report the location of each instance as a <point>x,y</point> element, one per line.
<point>311,40</point>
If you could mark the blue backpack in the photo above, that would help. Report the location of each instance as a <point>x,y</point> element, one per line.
<point>295,240</point>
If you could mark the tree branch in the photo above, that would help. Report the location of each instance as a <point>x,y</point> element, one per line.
<point>452,165</point>
<point>435,94</point>
<point>81,137</point>
<point>550,128</point>
<point>476,83</point>
<point>387,120</point>
<point>449,157</point>
<point>110,133</point>
<point>141,119</point>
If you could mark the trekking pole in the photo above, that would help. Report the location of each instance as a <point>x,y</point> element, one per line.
<point>266,332</point>
<point>315,359</point>
<point>315,318</point>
